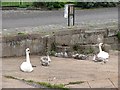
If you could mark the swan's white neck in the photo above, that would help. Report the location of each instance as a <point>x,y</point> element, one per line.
<point>47,55</point>
<point>100,48</point>
<point>27,57</point>
<point>48,58</point>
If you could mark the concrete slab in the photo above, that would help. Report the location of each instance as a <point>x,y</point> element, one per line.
<point>8,83</point>
<point>0,73</point>
<point>101,84</point>
<point>115,82</point>
<point>62,71</point>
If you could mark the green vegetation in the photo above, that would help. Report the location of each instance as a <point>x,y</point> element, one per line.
<point>118,35</point>
<point>57,86</point>
<point>53,49</point>
<point>57,5</point>
<point>45,84</point>
<point>21,33</point>
<point>75,47</point>
<point>21,36</point>
<point>77,82</point>
<point>30,81</point>
<point>53,46</point>
<point>82,49</point>
<point>95,4</point>
<point>48,85</point>
<point>49,5</point>
<point>89,51</point>
<point>17,4</point>
<point>83,5</point>
<point>52,52</point>
<point>10,77</point>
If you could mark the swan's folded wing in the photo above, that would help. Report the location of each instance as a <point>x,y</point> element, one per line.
<point>44,59</point>
<point>26,67</point>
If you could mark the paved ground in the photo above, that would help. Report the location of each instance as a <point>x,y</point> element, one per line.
<point>63,70</point>
<point>0,73</point>
<point>17,18</point>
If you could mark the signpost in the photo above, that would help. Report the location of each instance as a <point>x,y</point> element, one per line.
<point>66,11</point>
<point>69,12</point>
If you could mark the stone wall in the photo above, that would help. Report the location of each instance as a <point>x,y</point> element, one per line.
<point>16,45</point>
<point>86,39</point>
<point>80,37</point>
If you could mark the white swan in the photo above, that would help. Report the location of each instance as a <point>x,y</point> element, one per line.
<point>99,59</point>
<point>102,55</point>
<point>26,66</point>
<point>45,60</point>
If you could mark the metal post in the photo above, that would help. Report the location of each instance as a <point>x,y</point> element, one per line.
<point>73,16</point>
<point>46,45</point>
<point>68,15</point>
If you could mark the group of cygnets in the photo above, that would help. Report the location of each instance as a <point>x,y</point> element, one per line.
<point>45,60</point>
<point>101,56</point>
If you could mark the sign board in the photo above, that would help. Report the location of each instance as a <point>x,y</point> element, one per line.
<point>66,11</point>
<point>69,14</point>
<point>71,10</point>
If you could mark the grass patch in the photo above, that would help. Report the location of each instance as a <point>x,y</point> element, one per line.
<point>56,86</point>
<point>48,85</point>
<point>21,33</point>
<point>31,81</point>
<point>45,84</point>
<point>10,77</point>
<point>77,82</point>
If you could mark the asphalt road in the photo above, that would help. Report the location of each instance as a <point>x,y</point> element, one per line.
<point>15,19</point>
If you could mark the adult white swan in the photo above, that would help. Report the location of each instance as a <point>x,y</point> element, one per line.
<point>26,66</point>
<point>102,55</point>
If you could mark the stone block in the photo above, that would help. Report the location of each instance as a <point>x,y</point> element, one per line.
<point>115,46</point>
<point>112,32</point>
<point>75,39</point>
<point>65,39</point>
<point>110,40</point>
<point>106,47</point>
